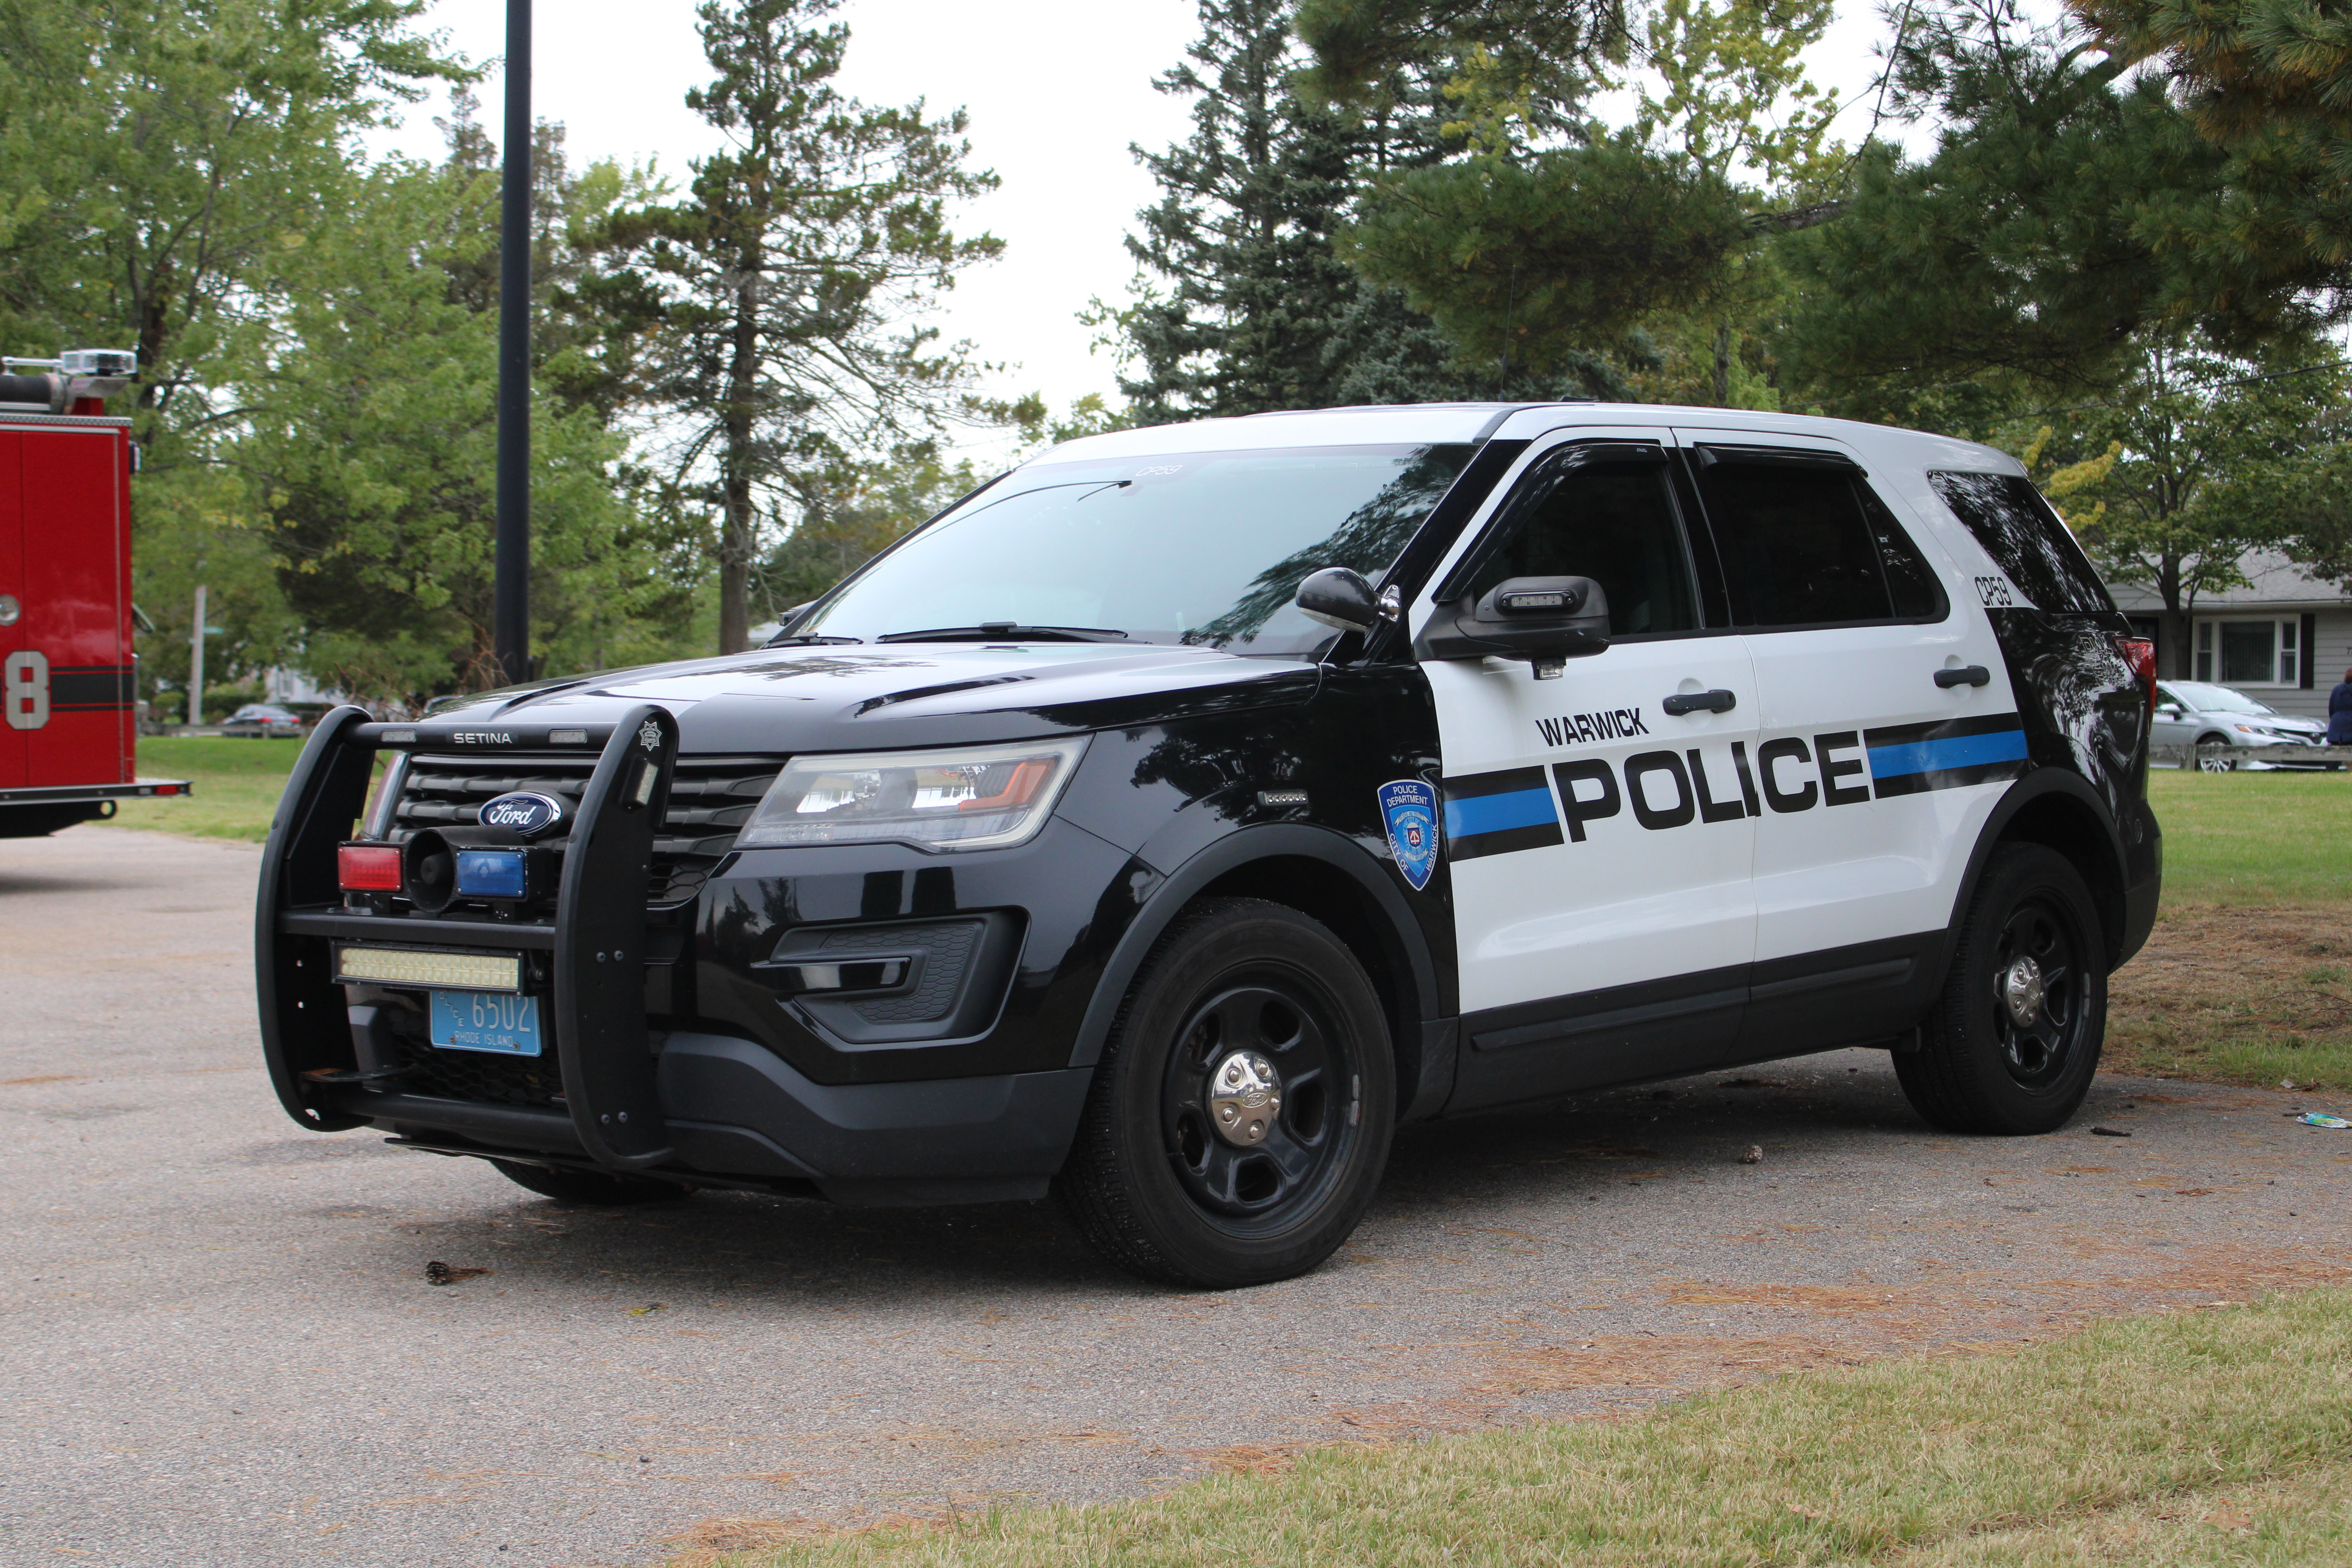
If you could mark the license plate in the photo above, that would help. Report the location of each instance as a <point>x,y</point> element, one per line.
<point>486,1021</point>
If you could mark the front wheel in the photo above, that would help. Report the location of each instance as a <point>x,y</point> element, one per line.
<point>2211,764</point>
<point>2015,1035</point>
<point>1241,1113</point>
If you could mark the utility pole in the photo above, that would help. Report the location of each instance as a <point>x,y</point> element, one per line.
<point>511,618</point>
<point>196,664</point>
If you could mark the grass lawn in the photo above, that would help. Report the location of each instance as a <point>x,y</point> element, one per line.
<point>2248,977</point>
<point>2219,1435</point>
<point>237,782</point>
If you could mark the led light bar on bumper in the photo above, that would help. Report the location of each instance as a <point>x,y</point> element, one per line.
<point>428,970</point>
<point>971,797</point>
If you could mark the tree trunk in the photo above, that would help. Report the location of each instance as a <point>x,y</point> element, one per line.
<point>2173,622</point>
<point>736,460</point>
<point>1723,363</point>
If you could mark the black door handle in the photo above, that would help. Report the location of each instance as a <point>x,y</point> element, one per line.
<point>1967,675</point>
<point>1716,701</point>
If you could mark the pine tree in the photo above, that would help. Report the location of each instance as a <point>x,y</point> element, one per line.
<point>1251,306</point>
<point>789,275</point>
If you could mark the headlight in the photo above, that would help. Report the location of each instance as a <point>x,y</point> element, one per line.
<point>973,797</point>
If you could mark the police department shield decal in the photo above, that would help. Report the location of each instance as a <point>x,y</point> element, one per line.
<point>1409,811</point>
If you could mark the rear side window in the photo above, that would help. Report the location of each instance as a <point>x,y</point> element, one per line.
<point>1612,521</point>
<point>1804,542</point>
<point>2025,538</point>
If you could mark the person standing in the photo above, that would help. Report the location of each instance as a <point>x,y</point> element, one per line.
<point>2339,712</point>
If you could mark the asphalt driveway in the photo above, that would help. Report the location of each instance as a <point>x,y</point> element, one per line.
<point>217,1343</point>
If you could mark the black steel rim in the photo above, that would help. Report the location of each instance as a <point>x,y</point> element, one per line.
<point>1263,1186</point>
<point>2038,1050</point>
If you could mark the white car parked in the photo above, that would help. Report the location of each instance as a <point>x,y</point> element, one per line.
<point>2195,714</point>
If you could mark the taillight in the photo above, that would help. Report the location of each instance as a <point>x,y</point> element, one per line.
<point>368,867</point>
<point>2140,654</point>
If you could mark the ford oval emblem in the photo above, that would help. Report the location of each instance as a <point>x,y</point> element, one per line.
<point>524,812</point>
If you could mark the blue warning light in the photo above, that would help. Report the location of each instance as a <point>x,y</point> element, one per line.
<point>491,874</point>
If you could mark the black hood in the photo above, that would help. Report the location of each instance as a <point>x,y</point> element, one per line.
<point>886,696</point>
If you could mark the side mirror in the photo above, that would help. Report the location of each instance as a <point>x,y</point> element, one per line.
<point>1541,619</point>
<point>1339,598</point>
<point>2167,710</point>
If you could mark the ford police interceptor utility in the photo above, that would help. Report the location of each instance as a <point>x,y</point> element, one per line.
<point>1174,816</point>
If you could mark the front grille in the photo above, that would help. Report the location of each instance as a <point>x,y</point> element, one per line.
<point>480,1076</point>
<point>709,800</point>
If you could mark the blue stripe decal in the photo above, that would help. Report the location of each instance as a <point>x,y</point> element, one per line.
<point>1499,813</point>
<point>1952,751</point>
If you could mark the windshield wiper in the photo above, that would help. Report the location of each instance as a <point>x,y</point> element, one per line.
<point>808,638</point>
<point>996,631</point>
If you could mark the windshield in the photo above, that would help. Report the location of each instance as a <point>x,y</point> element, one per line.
<point>2216,698</point>
<point>1200,547</point>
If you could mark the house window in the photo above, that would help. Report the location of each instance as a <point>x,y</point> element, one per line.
<point>2250,653</point>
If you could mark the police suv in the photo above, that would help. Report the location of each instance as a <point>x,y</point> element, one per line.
<point>1174,816</point>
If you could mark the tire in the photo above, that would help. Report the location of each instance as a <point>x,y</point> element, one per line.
<point>1997,1055</point>
<point>567,1185</point>
<point>2215,764</point>
<point>1153,1185</point>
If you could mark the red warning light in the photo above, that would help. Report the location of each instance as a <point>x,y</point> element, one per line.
<point>368,867</point>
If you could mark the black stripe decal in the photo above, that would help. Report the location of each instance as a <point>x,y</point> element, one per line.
<point>74,687</point>
<point>1497,813</point>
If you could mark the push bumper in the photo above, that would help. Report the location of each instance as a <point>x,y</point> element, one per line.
<point>681,1104</point>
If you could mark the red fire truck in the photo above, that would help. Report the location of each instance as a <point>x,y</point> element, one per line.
<point>67,686</point>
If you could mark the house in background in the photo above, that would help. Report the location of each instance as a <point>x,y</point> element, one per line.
<point>2284,640</point>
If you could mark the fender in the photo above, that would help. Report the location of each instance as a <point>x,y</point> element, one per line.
<point>2034,786</point>
<point>1230,853</point>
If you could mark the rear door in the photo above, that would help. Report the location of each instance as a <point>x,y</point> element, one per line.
<point>75,625</point>
<point>21,705</point>
<point>1600,846</point>
<point>1887,730</point>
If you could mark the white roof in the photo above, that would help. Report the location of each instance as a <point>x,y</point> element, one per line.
<point>1418,423</point>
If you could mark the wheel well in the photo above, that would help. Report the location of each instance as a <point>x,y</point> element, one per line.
<point>2075,830</point>
<point>1321,890</point>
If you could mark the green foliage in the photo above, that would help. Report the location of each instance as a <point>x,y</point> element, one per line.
<point>785,281</point>
<point>158,157</point>
<point>2267,81</point>
<point>1538,261</point>
<point>1368,53</point>
<point>2190,465</point>
<point>368,452</point>
<point>1248,301</point>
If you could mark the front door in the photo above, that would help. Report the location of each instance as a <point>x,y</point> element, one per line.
<point>1600,836</point>
<point>1888,731</point>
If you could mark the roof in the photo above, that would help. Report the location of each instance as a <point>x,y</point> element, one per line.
<point>2277,584</point>
<point>1434,423</point>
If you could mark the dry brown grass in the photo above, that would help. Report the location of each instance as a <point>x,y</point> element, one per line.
<point>2209,1436</point>
<point>2250,995</point>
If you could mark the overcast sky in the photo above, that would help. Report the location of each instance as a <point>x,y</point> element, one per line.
<point>1056,90</point>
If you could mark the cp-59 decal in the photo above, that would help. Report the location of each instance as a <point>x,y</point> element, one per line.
<point>1514,808</point>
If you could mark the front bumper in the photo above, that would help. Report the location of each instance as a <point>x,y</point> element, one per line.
<point>615,1089</point>
<point>735,1113</point>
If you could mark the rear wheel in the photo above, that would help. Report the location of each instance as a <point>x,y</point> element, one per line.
<point>1242,1111</point>
<point>2211,764</point>
<point>2015,1036</point>
<point>568,1185</point>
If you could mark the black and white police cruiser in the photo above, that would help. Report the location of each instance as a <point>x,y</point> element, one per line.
<point>1175,816</point>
